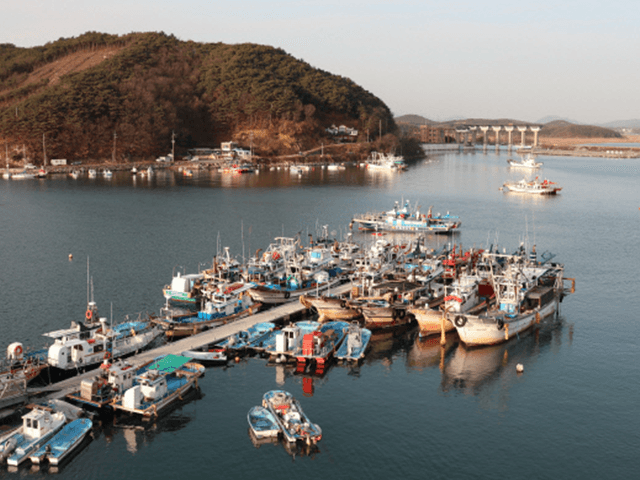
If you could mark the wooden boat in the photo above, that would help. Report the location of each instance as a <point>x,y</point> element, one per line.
<point>355,344</point>
<point>534,187</point>
<point>330,308</point>
<point>165,381</point>
<point>263,423</point>
<point>38,426</point>
<point>293,422</point>
<point>63,443</point>
<point>293,287</point>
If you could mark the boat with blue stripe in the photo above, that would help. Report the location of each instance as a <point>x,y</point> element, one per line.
<point>63,443</point>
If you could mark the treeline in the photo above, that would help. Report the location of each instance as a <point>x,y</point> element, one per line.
<point>155,85</point>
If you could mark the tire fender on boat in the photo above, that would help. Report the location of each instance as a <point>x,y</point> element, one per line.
<point>287,294</point>
<point>460,321</point>
<point>500,324</point>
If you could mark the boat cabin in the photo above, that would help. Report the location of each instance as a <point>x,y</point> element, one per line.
<point>288,339</point>
<point>37,423</point>
<point>185,283</point>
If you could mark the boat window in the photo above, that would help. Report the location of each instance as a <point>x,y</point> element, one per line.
<point>28,422</point>
<point>34,424</point>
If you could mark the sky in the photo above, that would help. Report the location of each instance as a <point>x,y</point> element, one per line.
<point>523,60</point>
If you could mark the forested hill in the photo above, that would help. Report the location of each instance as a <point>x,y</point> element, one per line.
<point>78,92</point>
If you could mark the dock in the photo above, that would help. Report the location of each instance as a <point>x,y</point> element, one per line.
<point>279,314</point>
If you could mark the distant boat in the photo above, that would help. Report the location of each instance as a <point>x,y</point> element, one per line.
<point>355,344</point>
<point>42,173</point>
<point>91,173</point>
<point>293,422</point>
<point>535,187</point>
<point>107,173</point>
<point>23,175</point>
<point>74,174</point>
<point>527,162</point>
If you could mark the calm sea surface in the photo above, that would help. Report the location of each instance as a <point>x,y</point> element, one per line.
<point>411,409</point>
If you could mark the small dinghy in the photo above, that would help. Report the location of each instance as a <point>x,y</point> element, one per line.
<point>63,443</point>
<point>263,423</point>
<point>355,344</point>
<point>211,356</point>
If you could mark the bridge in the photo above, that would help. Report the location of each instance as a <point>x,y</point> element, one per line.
<point>467,134</point>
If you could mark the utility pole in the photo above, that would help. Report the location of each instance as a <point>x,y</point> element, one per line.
<point>113,155</point>
<point>44,152</point>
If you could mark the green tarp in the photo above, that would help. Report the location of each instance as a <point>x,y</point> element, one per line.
<point>169,363</point>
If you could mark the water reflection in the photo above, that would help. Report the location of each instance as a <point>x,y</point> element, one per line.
<point>294,449</point>
<point>473,371</point>
<point>428,353</point>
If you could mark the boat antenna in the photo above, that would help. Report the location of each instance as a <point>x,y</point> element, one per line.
<point>242,238</point>
<point>87,279</point>
<point>111,326</point>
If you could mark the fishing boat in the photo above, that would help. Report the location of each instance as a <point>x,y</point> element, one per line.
<point>108,384</point>
<point>407,219</point>
<point>17,370</point>
<point>42,173</point>
<point>63,443</point>
<point>74,174</point>
<point>293,422</point>
<point>85,346</point>
<point>526,293</point>
<point>91,173</point>
<point>354,346</point>
<point>320,345</point>
<point>165,381</point>
<point>38,426</point>
<point>285,342</point>
<point>263,423</point>
<point>184,288</point>
<point>223,303</point>
<point>529,161</point>
<point>107,173</point>
<point>535,187</point>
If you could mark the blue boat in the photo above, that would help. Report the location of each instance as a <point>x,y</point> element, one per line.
<point>320,344</point>
<point>240,341</point>
<point>63,443</point>
<point>263,423</point>
<point>355,343</point>
<point>38,426</point>
<point>293,422</point>
<point>407,219</point>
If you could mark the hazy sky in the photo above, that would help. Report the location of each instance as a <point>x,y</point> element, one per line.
<point>493,59</point>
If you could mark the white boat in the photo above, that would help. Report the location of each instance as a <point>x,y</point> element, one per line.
<point>293,422</point>
<point>23,175</point>
<point>535,187</point>
<point>526,293</point>
<point>38,426</point>
<point>263,423</point>
<point>74,174</point>
<point>91,173</point>
<point>165,381</point>
<point>211,356</point>
<point>107,173</point>
<point>529,161</point>
<point>63,443</point>
<point>83,347</point>
<point>355,343</point>
<point>385,162</point>
<point>287,341</point>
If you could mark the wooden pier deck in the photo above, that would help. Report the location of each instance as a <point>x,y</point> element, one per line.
<point>282,313</point>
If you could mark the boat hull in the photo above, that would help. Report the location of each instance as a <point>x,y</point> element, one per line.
<point>272,296</point>
<point>475,330</point>
<point>430,321</point>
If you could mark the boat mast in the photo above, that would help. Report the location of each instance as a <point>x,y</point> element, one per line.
<point>44,152</point>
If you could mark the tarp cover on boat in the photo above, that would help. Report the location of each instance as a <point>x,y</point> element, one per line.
<point>168,364</point>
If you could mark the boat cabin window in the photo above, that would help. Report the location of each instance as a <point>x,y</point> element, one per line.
<point>78,347</point>
<point>98,348</point>
<point>84,335</point>
<point>27,422</point>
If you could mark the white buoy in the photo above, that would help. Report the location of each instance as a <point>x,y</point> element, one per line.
<point>70,257</point>
<point>519,368</point>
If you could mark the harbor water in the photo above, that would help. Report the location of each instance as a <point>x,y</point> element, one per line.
<point>412,409</point>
